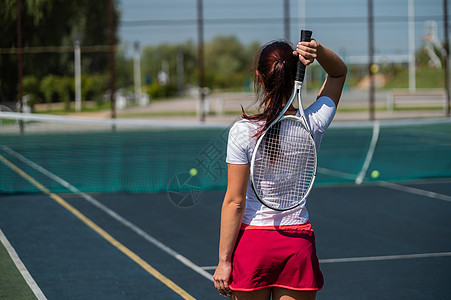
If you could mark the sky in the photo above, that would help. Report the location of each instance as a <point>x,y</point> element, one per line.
<point>339,24</point>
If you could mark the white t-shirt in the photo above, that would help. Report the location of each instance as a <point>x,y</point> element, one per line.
<point>240,148</point>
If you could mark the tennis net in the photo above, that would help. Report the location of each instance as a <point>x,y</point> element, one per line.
<point>108,156</point>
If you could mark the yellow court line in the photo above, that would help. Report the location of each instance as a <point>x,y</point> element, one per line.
<point>142,263</point>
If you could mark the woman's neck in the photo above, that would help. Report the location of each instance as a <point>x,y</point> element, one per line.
<point>291,110</point>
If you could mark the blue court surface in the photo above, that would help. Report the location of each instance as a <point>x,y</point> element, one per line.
<point>378,240</point>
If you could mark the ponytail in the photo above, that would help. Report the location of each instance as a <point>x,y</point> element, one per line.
<point>276,68</point>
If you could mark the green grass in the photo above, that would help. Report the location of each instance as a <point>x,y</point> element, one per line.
<point>397,78</point>
<point>12,284</point>
<point>417,108</point>
<point>7,122</point>
<point>43,109</point>
<point>344,109</point>
<point>341,109</point>
<point>143,115</point>
<point>426,78</point>
<point>157,114</point>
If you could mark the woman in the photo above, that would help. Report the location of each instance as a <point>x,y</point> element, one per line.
<point>263,252</point>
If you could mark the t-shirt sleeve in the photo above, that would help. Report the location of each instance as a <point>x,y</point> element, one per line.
<point>321,113</point>
<point>236,145</point>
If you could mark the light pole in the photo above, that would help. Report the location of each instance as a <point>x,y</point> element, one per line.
<point>412,80</point>
<point>445,25</point>
<point>371,58</point>
<point>200,58</point>
<point>77,67</point>
<point>137,72</point>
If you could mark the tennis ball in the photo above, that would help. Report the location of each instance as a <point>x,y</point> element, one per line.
<point>375,174</point>
<point>193,172</point>
<point>374,68</point>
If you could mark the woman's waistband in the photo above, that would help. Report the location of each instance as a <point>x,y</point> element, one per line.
<point>296,227</point>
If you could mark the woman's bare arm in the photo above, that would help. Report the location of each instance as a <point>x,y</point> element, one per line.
<point>231,218</point>
<point>331,63</point>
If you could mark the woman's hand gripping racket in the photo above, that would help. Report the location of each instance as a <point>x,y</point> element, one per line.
<point>283,165</point>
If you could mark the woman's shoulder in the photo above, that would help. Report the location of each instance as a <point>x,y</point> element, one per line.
<point>321,113</point>
<point>245,126</point>
<point>322,103</point>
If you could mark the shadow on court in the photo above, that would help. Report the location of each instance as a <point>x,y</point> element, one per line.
<point>378,241</point>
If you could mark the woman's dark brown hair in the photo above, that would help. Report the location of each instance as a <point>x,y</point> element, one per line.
<point>276,66</point>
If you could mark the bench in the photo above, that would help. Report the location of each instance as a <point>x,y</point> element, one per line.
<point>418,98</point>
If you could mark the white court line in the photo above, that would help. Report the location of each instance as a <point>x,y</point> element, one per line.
<point>369,154</point>
<point>371,258</point>
<point>21,267</point>
<point>202,270</point>
<point>390,185</point>
<point>112,214</point>
<point>383,257</point>
<point>415,191</point>
<point>335,173</point>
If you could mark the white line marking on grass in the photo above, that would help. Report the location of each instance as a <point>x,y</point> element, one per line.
<point>21,267</point>
<point>112,214</point>
<point>415,191</point>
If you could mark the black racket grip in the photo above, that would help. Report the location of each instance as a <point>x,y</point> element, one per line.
<point>306,36</point>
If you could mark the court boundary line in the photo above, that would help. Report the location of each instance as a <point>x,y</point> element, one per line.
<point>372,258</point>
<point>339,174</point>
<point>412,190</point>
<point>388,184</point>
<point>202,270</point>
<point>21,267</point>
<point>384,257</point>
<point>112,214</point>
<point>105,235</point>
<point>369,153</point>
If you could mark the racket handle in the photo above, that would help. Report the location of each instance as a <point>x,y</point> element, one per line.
<point>306,36</point>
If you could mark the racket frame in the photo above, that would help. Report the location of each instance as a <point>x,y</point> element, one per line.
<point>302,118</point>
<point>281,117</point>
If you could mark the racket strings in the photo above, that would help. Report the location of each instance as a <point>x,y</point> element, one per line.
<point>272,146</point>
<point>286,165</point>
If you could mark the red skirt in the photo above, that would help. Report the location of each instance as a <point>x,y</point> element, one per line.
<point>276,257</point>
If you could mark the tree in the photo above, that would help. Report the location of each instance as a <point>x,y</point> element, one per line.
<point>51,23</point>
<point>153,57</point>
<point>228,62</point>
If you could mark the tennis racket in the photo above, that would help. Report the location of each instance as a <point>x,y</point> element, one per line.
<point>283,165</point>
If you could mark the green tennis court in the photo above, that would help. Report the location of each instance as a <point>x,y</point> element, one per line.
<point>142,156</point>
<point>113,209</point>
